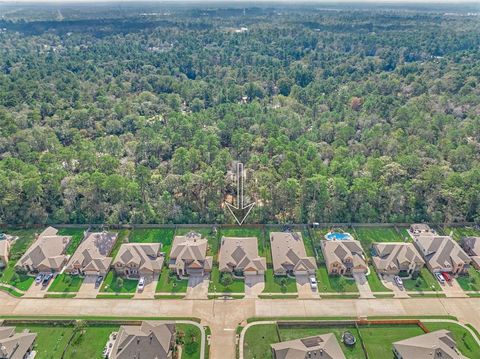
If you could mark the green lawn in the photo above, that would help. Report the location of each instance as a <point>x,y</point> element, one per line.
<point>169,283</point>
<point>90,344</point>
<point>427,281</point>
<point>66,283</point>
<point>206,232</point>
<point>154,235</point>
<point>458,233</point>
<point>273,284</point>
<point>77,236</point>
<point>110,284</point>
<point>334,284</point>
<point>375,283</point>
<point>238,285</point>
<point>378,339</point>
<point>465,342</point>
<point>123,237</point>
<point>470,281</point>
<point>369,235</point>
<point>257,341</point>
<point>192,338</point>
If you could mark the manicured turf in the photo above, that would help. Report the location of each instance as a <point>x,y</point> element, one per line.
<point>470,281</point>
<point>334,284</point>
<point>169,283</point>
<point>66,283</point>
<point>192,338</point>
<point>153,235</point>
<point>369,235</point>
<point>427,282</point>
<point>206,232</point>
<point>77,236</point>
<point>110,284</point>
<point>238,285</point>
<point>273,284</point>
<point>123,237</point>
<point>465,342</point>
<point>375,283</point>
<point>459,232</point>
<point>90,343</point>
<point>257,341</point>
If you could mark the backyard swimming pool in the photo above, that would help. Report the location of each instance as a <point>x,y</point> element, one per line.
<point>338,236</point>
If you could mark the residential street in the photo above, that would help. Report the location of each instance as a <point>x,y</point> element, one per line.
<point>223,316</point>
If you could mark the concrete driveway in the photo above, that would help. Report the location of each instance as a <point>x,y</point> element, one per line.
<point>254,285</point>
<point>389,282</point>
<point>453,290</point>
<point>304,289</point>
<point>148,291</point>
<point>198,287</point>
<point>363,286</point>
<point>37,290</point>
<point>87,289</point>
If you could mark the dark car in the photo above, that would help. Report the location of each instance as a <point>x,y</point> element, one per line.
<point>47,279</point>
<point>98,281</point>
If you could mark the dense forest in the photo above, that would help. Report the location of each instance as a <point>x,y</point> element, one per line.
<point>339,115</point>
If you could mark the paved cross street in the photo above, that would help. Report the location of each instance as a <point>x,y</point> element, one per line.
<point>223,316</point>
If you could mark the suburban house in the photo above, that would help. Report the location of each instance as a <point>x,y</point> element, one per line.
<point>150,340</point>
<point>188,255</point>
<point>442,254</point>
<point>139,259</point>
<point>397,258</point>
<point>471,245</point>
<point>289,255</point>
<point>15,345</point>
<point>4,251</point>
<point>344,257</point>
<point>438,344</point>
<point>91,256</point>
<point>321,346</point>
<point>46,254</point>
<point>240,255</point>
<point>421,229</point>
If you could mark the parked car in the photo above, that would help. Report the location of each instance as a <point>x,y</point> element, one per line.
<point>47,279</point>
<point>39,279</point>
<point>141,284</point>
<point>447,276</point>
<point>98,281</point>
<point>398,281</point>
<point>313,283</point>
<point>440,278</point>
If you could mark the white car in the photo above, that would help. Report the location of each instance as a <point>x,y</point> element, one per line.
<point>141,284</point>
<point>313,283</point>
<point>440,278</point>
<point>398,281</point>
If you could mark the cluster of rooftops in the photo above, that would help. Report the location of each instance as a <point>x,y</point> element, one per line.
<point>438,344</point>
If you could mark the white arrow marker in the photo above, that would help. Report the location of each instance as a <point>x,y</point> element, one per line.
<point>240,212</point>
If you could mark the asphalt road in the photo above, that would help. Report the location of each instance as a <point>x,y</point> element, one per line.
<point>223,316</point>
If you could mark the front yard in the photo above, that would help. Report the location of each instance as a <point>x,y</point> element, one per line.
<point>279,284</point>
<point>470,281</point>
<point>334,284</point>
<point>66,283</point>
<point>228,284</point>
<point>375,282</point>
<point>425,282</point>
<point>169,283</point>
<point>115,284</point>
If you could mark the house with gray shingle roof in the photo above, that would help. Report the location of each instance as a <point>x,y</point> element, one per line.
<point>471,245</point>
<point>289,255</point>
<point>188,255</point>
<point>139,259</point>
<point>15,345</point>
<point>46,254</point>
<point>92,255</point>
<point>240,255</point>
<point>435,345</point>
<point>344,257</point>
<point>394,258</point>
<point>442,254</point>
<point>321,346</point>
<point>150,340</point>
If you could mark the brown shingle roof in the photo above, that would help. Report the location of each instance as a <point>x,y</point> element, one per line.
<point>240,253</point>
